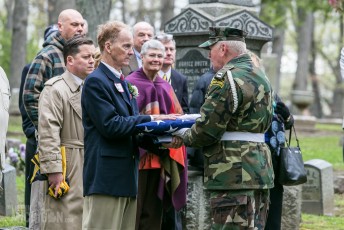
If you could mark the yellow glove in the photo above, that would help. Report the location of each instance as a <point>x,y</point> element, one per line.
<point>64,186</point>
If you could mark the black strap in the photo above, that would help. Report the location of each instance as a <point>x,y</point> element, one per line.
<point>290,131</point>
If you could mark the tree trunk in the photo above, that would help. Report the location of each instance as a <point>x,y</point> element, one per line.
<point>316,108</point>
<point>337,106</point>
<point>304,38</point>
<point>9,5</point>
<point>141,11</point>
<point>56,6</point>
<point>95,12</point>
<point>124,11</point>
<point>277,48</point>
<point>19,36</point>
<point>166,9</point>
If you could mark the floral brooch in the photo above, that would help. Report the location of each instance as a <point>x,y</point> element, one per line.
<point>133,90</point>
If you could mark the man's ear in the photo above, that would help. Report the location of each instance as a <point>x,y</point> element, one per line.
<point>70,59</point>
<point>107,47</point>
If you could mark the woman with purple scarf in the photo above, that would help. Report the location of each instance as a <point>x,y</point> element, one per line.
<point>163,177</point>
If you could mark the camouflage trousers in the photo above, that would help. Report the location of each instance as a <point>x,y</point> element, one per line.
<point>239,209</point>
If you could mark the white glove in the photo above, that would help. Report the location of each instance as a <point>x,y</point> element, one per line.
<point>180,132</point>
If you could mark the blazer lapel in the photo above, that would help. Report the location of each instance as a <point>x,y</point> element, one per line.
<point>119,86</point>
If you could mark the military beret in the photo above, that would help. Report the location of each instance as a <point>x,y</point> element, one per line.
<point>223,34</point>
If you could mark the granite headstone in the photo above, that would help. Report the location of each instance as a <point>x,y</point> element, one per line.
<point>318,192</point>
<point>8,192</point>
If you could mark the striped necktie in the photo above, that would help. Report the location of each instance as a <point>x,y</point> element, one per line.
<point>166,79</point>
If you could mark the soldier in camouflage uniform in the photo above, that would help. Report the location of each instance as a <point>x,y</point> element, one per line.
<point>236,113</point>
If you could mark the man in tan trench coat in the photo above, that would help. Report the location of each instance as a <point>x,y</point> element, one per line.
<point>59,125</point>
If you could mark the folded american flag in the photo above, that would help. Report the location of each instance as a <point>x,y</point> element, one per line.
<point>163,129</point>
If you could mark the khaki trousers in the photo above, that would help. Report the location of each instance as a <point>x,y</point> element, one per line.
<point>103,212</point>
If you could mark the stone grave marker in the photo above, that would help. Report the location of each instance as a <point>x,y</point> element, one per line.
<point>318,192</point>
<point>8,192</point>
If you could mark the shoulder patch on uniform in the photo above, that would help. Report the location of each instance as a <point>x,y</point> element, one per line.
<point>53,80</point>
<point>220,74</point>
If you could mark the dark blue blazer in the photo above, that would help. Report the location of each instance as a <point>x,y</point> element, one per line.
<point>109,120</point>
<point>180,87</point>
<point>200,90</point>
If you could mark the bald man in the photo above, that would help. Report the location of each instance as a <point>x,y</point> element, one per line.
<point>142,32</point>
<point>48,63</point>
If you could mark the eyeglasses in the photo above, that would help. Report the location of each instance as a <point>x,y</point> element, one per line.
<point>164,37</point>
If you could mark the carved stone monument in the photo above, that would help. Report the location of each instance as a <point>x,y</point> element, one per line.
<point>318,192</point>
<point>191,28</point>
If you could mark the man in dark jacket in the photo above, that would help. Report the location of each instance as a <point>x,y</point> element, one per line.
<point>49,61</point>
<point>195,155</point>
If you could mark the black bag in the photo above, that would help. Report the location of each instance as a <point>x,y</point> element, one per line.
<point>292,170</point>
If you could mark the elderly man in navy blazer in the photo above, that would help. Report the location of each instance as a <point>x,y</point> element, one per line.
<point>110,114</point>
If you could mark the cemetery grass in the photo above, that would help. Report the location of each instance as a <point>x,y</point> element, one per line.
<point>323,143</point>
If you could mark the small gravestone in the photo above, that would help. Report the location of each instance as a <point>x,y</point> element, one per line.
<point>8,191</point>
<point>317,192</point>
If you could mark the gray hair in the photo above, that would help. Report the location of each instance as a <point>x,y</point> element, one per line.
<point>164,38</point>
<point>152,44</point>
<point>236,46</point>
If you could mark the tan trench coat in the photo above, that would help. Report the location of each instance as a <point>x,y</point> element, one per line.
<point>60,124</point>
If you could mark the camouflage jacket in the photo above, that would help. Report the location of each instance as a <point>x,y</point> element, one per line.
<point>48,63</point>
<point>235,164</point>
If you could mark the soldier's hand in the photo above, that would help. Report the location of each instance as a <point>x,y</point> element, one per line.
<point>282,111</point>
<point>176,143</point>
<point>180,132</point>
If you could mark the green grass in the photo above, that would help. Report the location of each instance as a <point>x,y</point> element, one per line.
<point>323,147</point>
<point>15,129</point>
<point>336,222</point>
<point>326,147</point>
<point>15,124</point>
<point>329,127</point>
<point>19,218</point>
